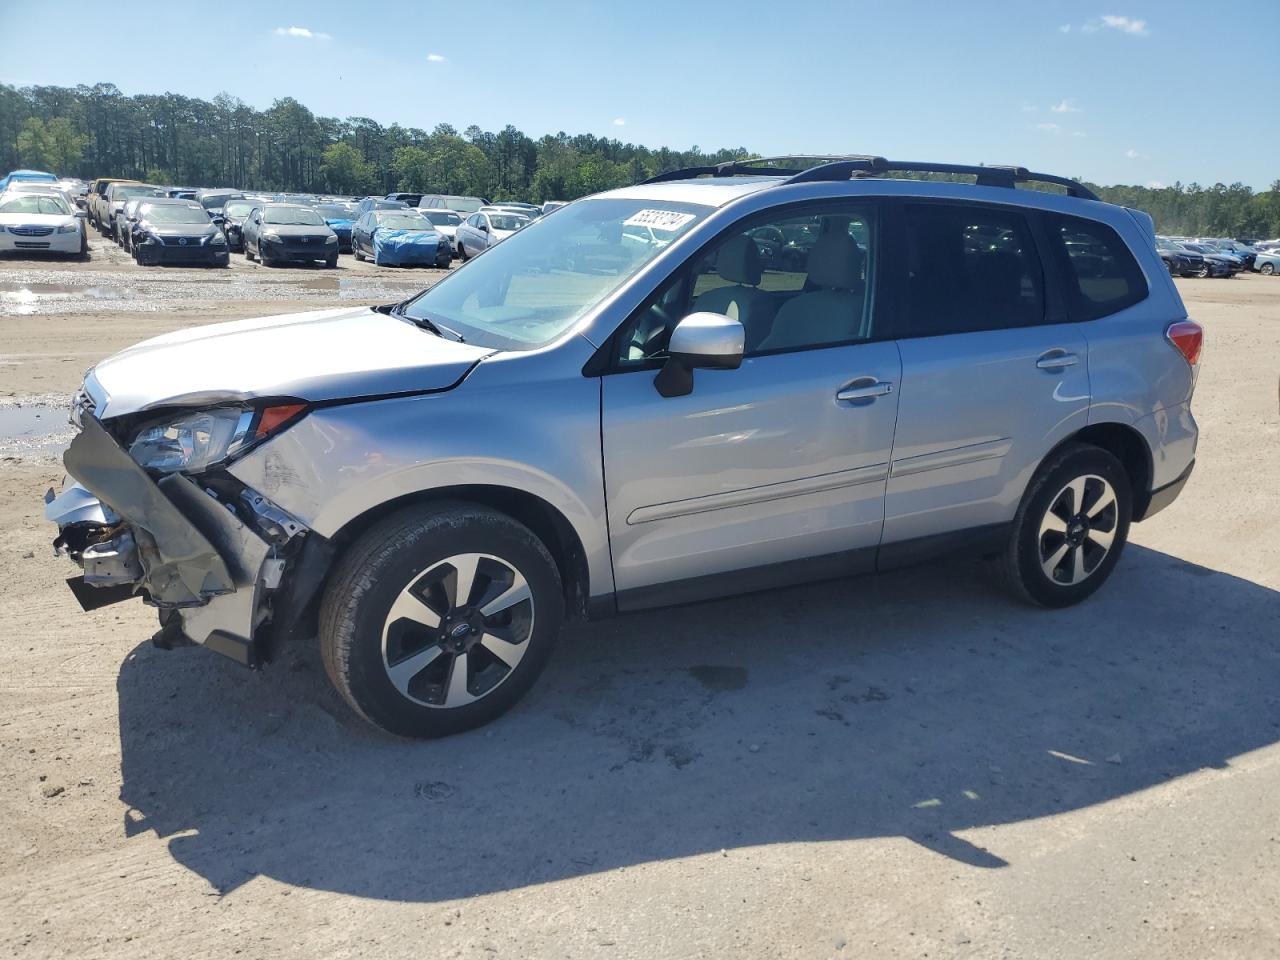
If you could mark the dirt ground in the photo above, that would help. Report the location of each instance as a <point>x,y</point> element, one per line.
<point>920,768</point>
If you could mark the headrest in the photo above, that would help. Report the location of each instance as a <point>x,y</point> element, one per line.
<point>739,261</point>
<point>835,262</point>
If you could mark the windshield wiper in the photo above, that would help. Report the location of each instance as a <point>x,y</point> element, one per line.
<point>439,329</point>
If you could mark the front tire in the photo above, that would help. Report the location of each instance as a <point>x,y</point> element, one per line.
<point>1267,269</point>
<point>439,618</point>
<point>1070,528</point>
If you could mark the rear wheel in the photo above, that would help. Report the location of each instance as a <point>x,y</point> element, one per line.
<point>439,619</point>
<point>1267,269</point>
<point>1203,272</point>
<point>1070,528</point>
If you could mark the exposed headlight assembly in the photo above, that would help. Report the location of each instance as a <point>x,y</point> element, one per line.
<point>218,240</point>
<point>271,237</point>
<point>69,228</point>
<point>193,442</point>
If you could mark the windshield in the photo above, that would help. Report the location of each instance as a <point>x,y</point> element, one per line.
<point>217,200</point>
<point>463,204</point>
<point>173,213</point>
<point>443,218</point>
<point>35,203</point>
<point>237,208</point>
<point>138,191</point>
<point>335,211</point>
<point>1163,244</point>
<point>403,222</point>
<point>535,285</point>
<point>292,217</point>
<point>507,221</point>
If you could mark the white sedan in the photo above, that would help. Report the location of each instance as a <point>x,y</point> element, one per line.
<point>39,223</point>
<point>480,231</point>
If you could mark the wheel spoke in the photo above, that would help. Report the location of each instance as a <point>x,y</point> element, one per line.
<point>506,651</point>
<point>1050,564</point>
<point>403,672</point>
<point>518,591</point>
<point>410,607</point>
<point>464,577</point>
<point>1052,523</point>
<point>1076,487</point>
<point>456,694</point>
<point>1102,538</point>
<point>1077,564</point>
<point>1105,499</point>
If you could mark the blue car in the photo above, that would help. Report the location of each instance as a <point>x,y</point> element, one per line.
<point>399,239</point>
<point>340,217</point>
<point>26,176</point>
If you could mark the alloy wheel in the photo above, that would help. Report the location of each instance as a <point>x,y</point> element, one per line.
<point>458,630</point>
<point>1078,529</point>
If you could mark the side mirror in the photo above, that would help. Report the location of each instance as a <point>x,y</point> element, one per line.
<point>709,340</point>
<point>219,221</point>
<point>81,214</point>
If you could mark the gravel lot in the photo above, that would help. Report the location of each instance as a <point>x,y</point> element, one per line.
<point>911,766</point>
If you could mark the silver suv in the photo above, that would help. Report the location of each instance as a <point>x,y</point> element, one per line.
<point>717,381</point>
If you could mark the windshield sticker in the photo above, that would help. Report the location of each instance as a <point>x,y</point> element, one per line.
<point>658,219</point>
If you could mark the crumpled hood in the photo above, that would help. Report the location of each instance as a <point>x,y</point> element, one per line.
<point>348,353</point>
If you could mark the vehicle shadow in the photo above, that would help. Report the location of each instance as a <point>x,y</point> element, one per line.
<point>918,704</point>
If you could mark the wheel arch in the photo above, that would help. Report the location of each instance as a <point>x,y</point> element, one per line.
<point>1128,446</point>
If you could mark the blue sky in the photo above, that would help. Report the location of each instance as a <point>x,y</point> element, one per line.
<point>1122,92</point>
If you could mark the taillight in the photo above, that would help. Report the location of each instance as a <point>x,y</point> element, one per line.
<point>1188,337</point>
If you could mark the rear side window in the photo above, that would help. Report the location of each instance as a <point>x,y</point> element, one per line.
<point>1101,275</point>
<point>969,268</point>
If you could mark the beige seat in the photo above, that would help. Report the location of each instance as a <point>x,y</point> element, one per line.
<point>739,263</point>
<point>832,313</point>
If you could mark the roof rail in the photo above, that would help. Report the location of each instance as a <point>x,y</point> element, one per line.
<point>836,168</point>
<point>987,176</point>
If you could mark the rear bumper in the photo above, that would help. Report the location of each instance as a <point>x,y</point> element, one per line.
<point>1163,496</point>
<point>171,543</point>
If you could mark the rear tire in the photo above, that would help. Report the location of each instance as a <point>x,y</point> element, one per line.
<point>332,262</point>
<point>1203,273</point>
<point>1070,528</point>
<point>398,619</point>
<point>1267,269</point>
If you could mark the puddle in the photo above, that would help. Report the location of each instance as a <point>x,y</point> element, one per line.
<point>34,430</point>
<point>24,299</point>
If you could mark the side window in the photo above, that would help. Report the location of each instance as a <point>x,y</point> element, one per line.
<point>792,282</point>
<point>969,268</point>
<point>1102,277</point>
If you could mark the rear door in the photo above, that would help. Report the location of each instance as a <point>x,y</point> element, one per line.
<point>992,378</point>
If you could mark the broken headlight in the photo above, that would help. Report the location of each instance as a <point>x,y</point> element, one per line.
<point>195,441</point>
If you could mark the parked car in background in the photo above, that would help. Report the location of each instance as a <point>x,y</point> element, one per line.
<point>553,205</point>
<point>408,199</point>
<point>1232,247</point>
<point>280,232</point>
<point>99,213</point>
<point>524,209</point>
<point>378,203</point>
<point>1230,263</point>
<point>40,223</point>
<point>1181,261</point>
<point>480,231</point>
<point>399,238</point>
<point>213,200</point>
<point>340,217</point>
<point>125,219</point>
<point>181,193</point>
<point>443,201</point>
<point>114,199</point>
<point>40,186</point>
<point>1268,261</point>
<point>234,212</point>
<point>177,231</point>
<point>446,223</point>
<point>25,176</point>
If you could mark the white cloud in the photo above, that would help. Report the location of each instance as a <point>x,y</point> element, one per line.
<point>1125,24</point>
<point>1065,106</point>
<point>619,121</point>
<point>1065,28</point>
<point>1049,127</point>
<point>1133,154</point>
<point>1155,184</point>
<point>435,58</point>
<point>302,33</point>
<point>1078,133</point>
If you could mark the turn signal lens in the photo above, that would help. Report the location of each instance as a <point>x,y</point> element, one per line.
<point>1188,337</point>
<point>273,418</point>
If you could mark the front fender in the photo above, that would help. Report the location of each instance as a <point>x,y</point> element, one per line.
<point>543,439</point>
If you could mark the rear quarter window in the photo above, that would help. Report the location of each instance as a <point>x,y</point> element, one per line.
<point>1099,271</point>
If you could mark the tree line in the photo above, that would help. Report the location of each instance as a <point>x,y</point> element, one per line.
<point>167,138</point>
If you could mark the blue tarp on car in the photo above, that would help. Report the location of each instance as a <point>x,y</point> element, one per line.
<point>405,247</point>
<point>39,176</point>
<point>341,227</point>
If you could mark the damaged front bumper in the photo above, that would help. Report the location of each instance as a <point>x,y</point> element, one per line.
<point>183,548</point>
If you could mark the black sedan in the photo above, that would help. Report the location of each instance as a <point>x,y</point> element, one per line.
<point>234,213</point>
<point>176,231</point>
<point>275,232</point>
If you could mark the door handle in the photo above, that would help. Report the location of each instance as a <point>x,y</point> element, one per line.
<point>864,388</point>
<point>1056,360</point>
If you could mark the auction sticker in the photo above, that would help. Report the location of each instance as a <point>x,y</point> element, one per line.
<point>658,219</point>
